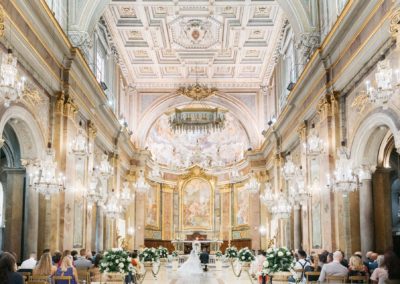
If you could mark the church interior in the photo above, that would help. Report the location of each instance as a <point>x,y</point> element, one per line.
<point>258,124</point>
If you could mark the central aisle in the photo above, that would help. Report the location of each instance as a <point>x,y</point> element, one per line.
<point>225,276</point>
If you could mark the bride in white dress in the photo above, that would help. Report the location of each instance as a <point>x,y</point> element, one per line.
<point>192,265</point>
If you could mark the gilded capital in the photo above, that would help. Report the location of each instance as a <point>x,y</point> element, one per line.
<point>302,131</point>
<point>70,108</point>
<point>327,106</point>
<point>2,28</point>
<point>92,129</point>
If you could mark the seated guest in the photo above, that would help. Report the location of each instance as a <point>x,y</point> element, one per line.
<point>30,263</point>
<point>333,268</point>
<point>380,273</point>
<point>372,263</point>
<point>95,274</point>
<point>322,260</point>
<point>45,266</point>
<point>359,254</point>
<point>66,269</point>
<point>56,257</point>
<point>344,261</point>
<point>7,270</point>
<point>64,254</point>
<point>356,267</point>
<point>46,251</point>
<point>392,263</point>
<point>301,263</point>
<point>74,254</point>
<point>81,261</point>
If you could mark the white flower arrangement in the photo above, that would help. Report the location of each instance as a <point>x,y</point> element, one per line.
<point>246,255</point>
<point>218,254</point>
<point>175,254</point>
<point>231,252</point>
<point>148,254</point>
<point>116,260</point>
<point>277,259</point>
<point>162,252</point>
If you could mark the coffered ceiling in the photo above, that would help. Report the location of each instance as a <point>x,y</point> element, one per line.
<point>168,43</point>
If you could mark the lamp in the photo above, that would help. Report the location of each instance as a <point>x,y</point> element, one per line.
<point>45,179</point>
<point>93,195</point>
<point>268,198</point>
<point>12,85</point>
<point>80,146</point>
<point>112,207</point>
<point>141,185</point>
<point>105,170</point>
<point>252,186</point>
<point>289,169</point>
<point>281,208</point>
<point>314,145</point>
<point>126,197</point>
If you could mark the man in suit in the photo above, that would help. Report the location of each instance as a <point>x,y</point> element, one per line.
<point>204,258</point>
<point>333,268</point>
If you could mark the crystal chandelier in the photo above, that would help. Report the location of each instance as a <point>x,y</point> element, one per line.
<point>112,207</point>
<point>45,179</point>
<point>141,185</point>
<point>344,178</point>
<point>268,198</point>
<point>281,208</point>
<point>387,84</point>
<point>105,170</point>
<point>11,85</point>
<point>93,195</point>
<point>314,145</point>
<point>80,146</point>
<point>289,169</point>
<point>126,197</point>
<point>298,192</point>
<point>252,186</point>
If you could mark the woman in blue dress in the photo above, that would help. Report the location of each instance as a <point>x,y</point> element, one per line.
<point>67,269</point>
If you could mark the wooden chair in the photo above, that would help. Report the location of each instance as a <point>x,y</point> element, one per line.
<point>25,275</point>
<point>299,274</point>
<point>37,282</point>
<point>39,278</point>
<point>83,275</point>
<point>61,279</point>
<point>312,274</point>
<point>336,279</point>
<point>358,278</point>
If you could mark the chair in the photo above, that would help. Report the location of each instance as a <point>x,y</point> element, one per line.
<point>299,274</point>
<point>83,275</point>
<point>37,282</point>
<point>358,279</point>
<point>25,275</point>
<point>61,279</point>
<point>39,278</point>
<point>336,279</point>
<point>312,275</point>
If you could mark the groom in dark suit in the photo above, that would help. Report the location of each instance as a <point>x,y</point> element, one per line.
<point>204,258</point>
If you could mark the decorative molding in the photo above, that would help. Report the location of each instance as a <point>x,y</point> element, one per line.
<point>327,106</point>
<point>92,129</point>
<point>2,26</point>
<point>365,172</point>
<point>308,42</point>
<point>82,40</point>
<point>302,131</point>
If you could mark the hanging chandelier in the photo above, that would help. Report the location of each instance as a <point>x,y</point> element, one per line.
<point>93,195</point>
<point>298,192</point>
<point>289,169</point>
<point>314,145</point>
<point>344,178</point>
<point>281,208</point>
<point>80,146</point>
<point>126,197</point>
<point>234,174</point>
<point>387,84</point>
<point>141,184</point>
<point>252,186</point>
<point>268,198</point>
<point>197,117</point>
<point>12,85</point>
<point>45,179</point>
<point>105,170</point>
<point>112,207</point>
<point>155,174</point>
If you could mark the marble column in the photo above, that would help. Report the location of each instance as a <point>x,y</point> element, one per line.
<point>366,212</point>
<point>297,226</point>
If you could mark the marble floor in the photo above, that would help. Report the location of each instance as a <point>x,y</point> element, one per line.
<point>226,276</point>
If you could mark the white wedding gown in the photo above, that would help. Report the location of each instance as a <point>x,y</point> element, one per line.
<point>192,265</point>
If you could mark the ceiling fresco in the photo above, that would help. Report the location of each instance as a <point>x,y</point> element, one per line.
<point>209,150</point>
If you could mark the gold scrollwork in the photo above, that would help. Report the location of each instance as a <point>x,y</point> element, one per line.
<point>360,102</point>
<point>395,22</point>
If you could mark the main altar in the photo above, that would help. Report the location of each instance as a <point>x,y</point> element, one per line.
<point>186,246</point>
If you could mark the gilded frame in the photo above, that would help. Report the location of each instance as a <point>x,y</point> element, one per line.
<point>155,188</point>
<point>196,173</point>
<point>236,191</point>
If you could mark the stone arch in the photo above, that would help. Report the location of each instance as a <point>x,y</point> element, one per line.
<point>297,16</point>
<point>233,105</point>
<point>370,134</point>
<point>28,132</point>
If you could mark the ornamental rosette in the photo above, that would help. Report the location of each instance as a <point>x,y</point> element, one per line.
<point>116,260</point>
<point>277,260</point>
<point>246,255</point>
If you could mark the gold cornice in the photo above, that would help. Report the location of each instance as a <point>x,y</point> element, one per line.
<point>1,21</point>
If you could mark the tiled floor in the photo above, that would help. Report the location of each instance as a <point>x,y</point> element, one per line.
<point>226,276</point>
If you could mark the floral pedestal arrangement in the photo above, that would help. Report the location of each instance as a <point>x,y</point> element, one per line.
<point>231,253</point>
<point>245,256</point>
<point>218,264</point>
<point>115,265</point>
<point>175,264</point>
<point>245,265</point>
<point>277,265</point>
